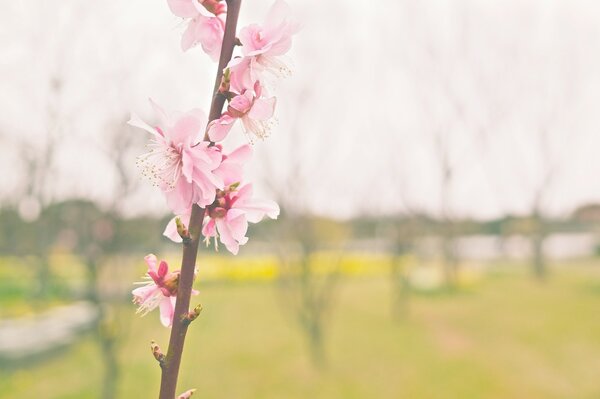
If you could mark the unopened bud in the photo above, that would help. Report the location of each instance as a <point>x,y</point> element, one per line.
<point>182,230</point>
<point>186,394</point>
<point>225,81</point>
<point>156,352</point>
<point>193,315</point>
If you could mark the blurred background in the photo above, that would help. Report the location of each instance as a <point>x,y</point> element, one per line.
<point>437,168</point>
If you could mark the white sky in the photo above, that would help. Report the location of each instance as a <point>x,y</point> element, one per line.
<point>375,86</point>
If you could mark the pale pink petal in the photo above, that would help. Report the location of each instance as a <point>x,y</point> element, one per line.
<point>279,12</point>
<point>209,180</point>
<point>230,172</point>
<point>188,39</point>
<point>240,74</point>
<point>187,168</point>
<point>241,154</point>
<point>226,237</point>
<point>151,261</point>
<point>171,231</point>
<point>209,229</point>
<point>253,39</point>
<point>244,193</point>
<point>241,103</point>
<point>237,223</point>
<point>281,46</point>
<point>232,167</point>
<point>262,109</point>
<point>167,310</point>
<point>181,197</point>
<point>141,294</point>
<point>206,190</point>
<point>188,127</point>
<point>257,209</point>
<point>183,8</point>
<point>136,121</point>
<point>163,117</point>
<point>218,129</point>
<point>210,35</point>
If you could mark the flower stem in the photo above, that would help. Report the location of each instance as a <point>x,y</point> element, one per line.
<point>170,367</point>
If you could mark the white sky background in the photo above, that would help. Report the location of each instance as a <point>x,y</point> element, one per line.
<point>379,91</point>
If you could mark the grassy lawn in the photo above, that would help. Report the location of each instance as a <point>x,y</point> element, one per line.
<point>506,337</point>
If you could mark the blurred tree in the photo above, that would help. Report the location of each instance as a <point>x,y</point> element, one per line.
<point>307,282</point>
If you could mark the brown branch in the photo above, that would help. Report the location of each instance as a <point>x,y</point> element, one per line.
<point>170,369</point>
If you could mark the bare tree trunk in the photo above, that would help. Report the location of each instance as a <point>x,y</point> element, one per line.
<point>538,238</point>
<point>400,288</point>
<point>104,332</point>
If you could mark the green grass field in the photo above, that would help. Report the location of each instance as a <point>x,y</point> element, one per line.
<point>507,336</point>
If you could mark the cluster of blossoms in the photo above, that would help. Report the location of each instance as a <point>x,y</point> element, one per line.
<point>187,160</point>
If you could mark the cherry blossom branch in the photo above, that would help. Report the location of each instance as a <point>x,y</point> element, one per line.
<point>181,321</point>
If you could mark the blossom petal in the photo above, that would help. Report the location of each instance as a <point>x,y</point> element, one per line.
<point>237,223</point>
<point>171,231</point>
<point>136,121</point>
<point>188,127</point>
<point>241,154</point>
<point>209,229</point>
<point>219,129</point>
<point>226,237</point>
<point>181,197</point>
<point>188,39</point>
<point>163,269</point>
<point>263,108</point>
<point>167,310</point>
<point>162,115</point>
<point>257,209</point>
<point>183,8</point>
<point>151,261</point>
<point>241,103</point>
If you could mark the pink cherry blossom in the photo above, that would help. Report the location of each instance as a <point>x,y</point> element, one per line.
<point>206,25</point>
<point>253,110</point>
<point>160,290</point>
<point>230,170</point>
<point>262,47</point>
<point>206,31</point>
<point>228,217</point>
<point>179,163</point>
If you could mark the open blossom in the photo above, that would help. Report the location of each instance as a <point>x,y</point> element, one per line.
<point>262,47</point>
<point>253,110</point>
<point>160,290</point>
<point>230,170</point>
<point>206,30</point>
<point>179,163</point>
<point>228,217</point>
